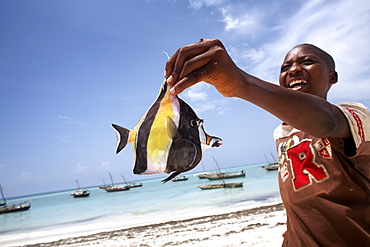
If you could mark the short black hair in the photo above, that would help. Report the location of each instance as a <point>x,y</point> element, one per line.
<point>329,59</point>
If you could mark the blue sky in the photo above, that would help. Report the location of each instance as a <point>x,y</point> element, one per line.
<point>70,68</point>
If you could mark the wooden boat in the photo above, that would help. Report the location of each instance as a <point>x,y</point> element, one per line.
<point>4,208</point>
<point>103,187</point>
<point>15,207</point>
<point>271,166</point>
<point>134,185</point>
<point>219,186</point>
<point>220,174</point>
<point>205,174</point>
<point>226,175</point>
<point>116,188</point>
<point>180,178</point>
<point>113,188</point>
<point>79,192</point>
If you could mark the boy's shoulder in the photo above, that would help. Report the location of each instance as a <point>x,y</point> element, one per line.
<point>358,117</point>
<point>358,107</point>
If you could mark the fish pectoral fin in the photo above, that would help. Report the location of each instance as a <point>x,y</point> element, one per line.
<point>124,136</point>
<point>182,156</point>
<point>171,128</point>
<point>170,177</point>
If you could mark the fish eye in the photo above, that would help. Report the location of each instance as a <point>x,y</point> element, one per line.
<point>195,122</point>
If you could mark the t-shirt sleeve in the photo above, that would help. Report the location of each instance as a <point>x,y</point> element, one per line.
<point>358,117</point>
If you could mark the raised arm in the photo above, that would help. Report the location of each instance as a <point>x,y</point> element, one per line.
<point>209,61</point>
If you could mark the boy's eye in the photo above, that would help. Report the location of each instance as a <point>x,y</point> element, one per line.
<point>285,67</point>
<point>308,61</point>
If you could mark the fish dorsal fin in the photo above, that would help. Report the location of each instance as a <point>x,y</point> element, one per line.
<point>163,88</point>
<point>161,93</point>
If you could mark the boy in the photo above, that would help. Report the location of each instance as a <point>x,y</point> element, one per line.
<point>323,149</point>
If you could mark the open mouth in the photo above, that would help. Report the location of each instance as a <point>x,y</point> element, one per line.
<point>217,143</point>
<point>297,84</point>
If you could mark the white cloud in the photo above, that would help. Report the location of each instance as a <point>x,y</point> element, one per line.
<point>63,139</point>
<point>70,120</point>
<point>201,97</point>
<point>197,4</point>
<point>80,169</point>
<point>63,117</point>
<point>338,27</point>
<point>26,175</point>
<point>242,24</point>
<point>197,92</point>
<point>106,166</point>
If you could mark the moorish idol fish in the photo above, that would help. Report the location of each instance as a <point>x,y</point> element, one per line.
<point>169,138</point>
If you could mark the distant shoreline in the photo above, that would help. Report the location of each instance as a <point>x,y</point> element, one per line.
<point>263,225</point>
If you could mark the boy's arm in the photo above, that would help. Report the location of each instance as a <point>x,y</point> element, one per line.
<point>309,113</point>
<point>208,61</point>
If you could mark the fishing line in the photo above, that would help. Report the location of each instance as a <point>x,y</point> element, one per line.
<point>168,57</point>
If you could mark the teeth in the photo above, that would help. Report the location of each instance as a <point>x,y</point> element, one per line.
<point>297,83</point>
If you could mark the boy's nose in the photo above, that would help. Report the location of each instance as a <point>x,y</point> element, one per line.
<point>294,69</point>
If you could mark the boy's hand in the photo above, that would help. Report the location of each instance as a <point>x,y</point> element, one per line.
<point>206,60</point>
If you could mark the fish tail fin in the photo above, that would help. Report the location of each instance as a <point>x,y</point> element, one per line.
<point>123,135</point>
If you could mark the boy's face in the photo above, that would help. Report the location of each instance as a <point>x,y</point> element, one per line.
<point>305,69</point>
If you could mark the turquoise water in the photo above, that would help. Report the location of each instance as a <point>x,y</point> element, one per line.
<point>61,215</point>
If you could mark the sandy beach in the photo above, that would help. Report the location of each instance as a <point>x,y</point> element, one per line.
<point>262,226</point>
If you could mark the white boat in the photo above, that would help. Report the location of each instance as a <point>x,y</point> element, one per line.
<point>179,178</point>
<point>79,192</point>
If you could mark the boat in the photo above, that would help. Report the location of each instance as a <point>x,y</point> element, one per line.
<point>79,192</point>
<point>205,174</point>
<point>223,175</point>
<point>271,166</point>
<point>5,208</point>
<point>113,188</point>
<point>219,186</point>
<point>116,188</point>
<point>132,185</point>
<point>180,178</point>
<point>226,175</point>
<point>103,187</point>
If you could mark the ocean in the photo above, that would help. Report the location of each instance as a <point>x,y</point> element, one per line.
<point>59,215</point>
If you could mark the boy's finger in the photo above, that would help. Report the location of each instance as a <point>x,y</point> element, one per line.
<point>175,65</point>
<point>189,80</point>
<point>181,85</point>
<point>170,65</point>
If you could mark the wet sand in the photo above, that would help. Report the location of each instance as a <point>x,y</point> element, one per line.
<point>262,226</point>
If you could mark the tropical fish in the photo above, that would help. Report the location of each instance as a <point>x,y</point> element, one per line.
<point>169,138</point>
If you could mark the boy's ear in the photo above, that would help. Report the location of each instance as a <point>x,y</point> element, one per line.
<point>333,77</point>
